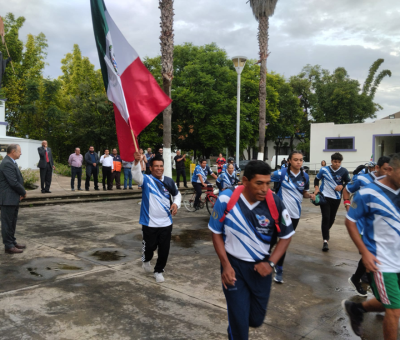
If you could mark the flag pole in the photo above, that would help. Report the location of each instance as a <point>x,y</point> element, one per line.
<point>133,136</point>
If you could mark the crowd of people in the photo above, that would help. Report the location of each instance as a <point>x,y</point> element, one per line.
<point>251,227</point>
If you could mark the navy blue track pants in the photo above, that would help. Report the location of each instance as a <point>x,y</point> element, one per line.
<point>246,301</point>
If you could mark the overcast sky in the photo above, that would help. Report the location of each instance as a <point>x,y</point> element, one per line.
<point>347,33</point>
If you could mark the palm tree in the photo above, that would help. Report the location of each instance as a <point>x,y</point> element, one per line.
<point>167,60</point>
<point>262,10</point>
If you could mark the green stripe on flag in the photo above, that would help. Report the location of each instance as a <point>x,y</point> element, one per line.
<point>100,28</point>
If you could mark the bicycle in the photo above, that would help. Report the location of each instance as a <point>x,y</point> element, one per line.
<point>208,197</point>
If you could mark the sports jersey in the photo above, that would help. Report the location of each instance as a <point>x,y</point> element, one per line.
<point>356,185</point>
<point>221,161</point>
<point>156,198</point>
<point>248,228</point>
<point>331,179</point>
<point>200,171</point>
<point>362,172</point>
<point>227,180</point>
<point>291,189</point>
<point>361,181</point>
<point>379,205</point>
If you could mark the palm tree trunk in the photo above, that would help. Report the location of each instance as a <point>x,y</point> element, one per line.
<point>263,45</point>
<point>167,59</point>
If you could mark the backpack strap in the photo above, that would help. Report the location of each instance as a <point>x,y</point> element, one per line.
<point>273,209</point>
<point>232,201</point>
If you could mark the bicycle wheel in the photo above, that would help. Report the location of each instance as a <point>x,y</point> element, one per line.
<point>188,201</point>
<point>210,202</point>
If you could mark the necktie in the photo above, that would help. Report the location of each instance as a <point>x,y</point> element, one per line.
<point>47,157</point>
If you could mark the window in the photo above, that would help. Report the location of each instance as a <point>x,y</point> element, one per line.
<point>391,117</point>
<point>339,144</point>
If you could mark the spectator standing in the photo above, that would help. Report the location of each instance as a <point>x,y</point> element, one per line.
<point>92,168</point>
<point>11,193</point>
<point>116,174</point>
<point>160,153</point>
<point>160,201</point>
<point>75,160</point>
<point>46,166</point>
<point>180,168</point>
<point>108,166</point>
<point>149,155</point>
<point>220,163</point>
<point>127,167</point>
<point>323,163</point>
<point>284,163</point>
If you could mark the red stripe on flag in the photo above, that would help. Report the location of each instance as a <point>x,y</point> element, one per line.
<point>124,135</point>
<point>144,97</point>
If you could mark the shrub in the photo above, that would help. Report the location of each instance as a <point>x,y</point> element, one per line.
<point>62,169</point>
<point>30,178</point>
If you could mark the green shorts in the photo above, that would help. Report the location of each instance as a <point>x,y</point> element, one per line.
<point>386,288</point>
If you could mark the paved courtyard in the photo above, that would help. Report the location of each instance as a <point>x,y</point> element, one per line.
<point>61,287</point>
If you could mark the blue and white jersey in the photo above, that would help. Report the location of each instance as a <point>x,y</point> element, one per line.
<point>291,190</point>
<point>361,181</point>
<point>362,172</point>
<point>204,172</point>
<point>248,228</point>
<point>379,206</point>
<point>156,198</point>
<point>331,179</point>
<point>355,185</point>
<point>227,180</point>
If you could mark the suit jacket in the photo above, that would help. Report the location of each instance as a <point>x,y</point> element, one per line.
<point>88,159</point>
<point>42,155</point>
<point>11,183</point>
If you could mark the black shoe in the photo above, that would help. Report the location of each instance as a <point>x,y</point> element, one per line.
<point>325,247</point>
<point>186,187</point>
<point>355,315</point>
<point>80,189</point>
<point>48,192</point>
<point>86,189</point>
<point>97,189</point>
<point>72,189</point>
<point>125,188</point>
<point>43,191</point>
<point>364,278</point>
<point>130,188</point>
<point>357,286</point>
<point>104,189</point>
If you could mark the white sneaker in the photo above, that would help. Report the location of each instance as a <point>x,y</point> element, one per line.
<point>159,277</point>
<point>147,267</point>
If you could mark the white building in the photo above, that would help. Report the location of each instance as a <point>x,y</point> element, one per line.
<point>358,143</point>
<point>30,156</point>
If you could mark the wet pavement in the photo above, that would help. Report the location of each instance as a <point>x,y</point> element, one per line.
<point>81,277</point>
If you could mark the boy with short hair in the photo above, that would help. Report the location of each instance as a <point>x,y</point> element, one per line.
<point>333,180</point>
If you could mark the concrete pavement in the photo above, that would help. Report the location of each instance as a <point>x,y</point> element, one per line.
<point>59,289</point>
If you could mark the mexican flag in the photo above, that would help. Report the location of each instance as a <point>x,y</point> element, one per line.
<point>136,95</point>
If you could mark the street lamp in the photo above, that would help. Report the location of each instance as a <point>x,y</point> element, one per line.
<point>238,62</point>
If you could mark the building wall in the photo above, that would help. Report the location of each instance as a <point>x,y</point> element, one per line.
<point>29,157</point>
<point>366,141</point>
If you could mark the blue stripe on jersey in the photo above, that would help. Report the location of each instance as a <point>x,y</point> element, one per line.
<point>379,208</point>
<point>331,179</point>
<point>291,190</point>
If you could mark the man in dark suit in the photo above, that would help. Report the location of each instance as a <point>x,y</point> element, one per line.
<point>11,193</point>
<point>92,168</point>
<point>46,166</point>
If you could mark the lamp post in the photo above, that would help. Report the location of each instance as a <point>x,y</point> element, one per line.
<point>238,62</point>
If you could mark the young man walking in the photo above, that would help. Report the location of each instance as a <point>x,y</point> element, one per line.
<point>242,231</point>
<point>353,188</point>
<point>334,178</point>
<point>156,212</point>
<point>378,204</point>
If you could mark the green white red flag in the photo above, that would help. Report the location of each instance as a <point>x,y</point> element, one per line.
<point>136,95</point>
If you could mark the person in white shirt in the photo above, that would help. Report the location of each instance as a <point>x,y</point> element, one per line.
<point>160,201</point>
<point>107,167</point>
